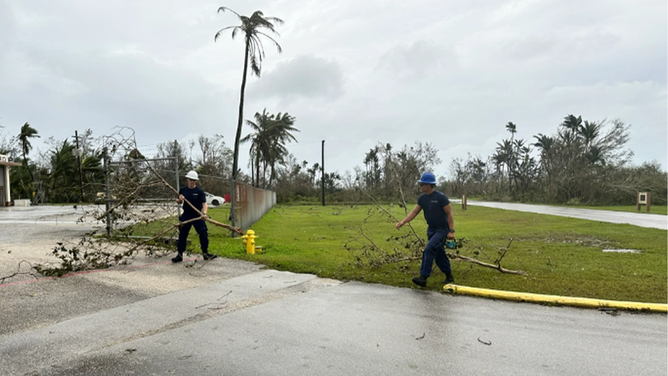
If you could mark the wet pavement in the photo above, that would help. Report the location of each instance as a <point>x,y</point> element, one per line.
<point>230,317</point>
<point>637,219</point>
<point>43,214</point>
<point>279,323</point>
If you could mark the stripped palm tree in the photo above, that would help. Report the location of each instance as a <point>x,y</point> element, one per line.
<point>252,28</point>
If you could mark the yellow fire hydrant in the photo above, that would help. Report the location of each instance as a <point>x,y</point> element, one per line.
<point>249,240</point>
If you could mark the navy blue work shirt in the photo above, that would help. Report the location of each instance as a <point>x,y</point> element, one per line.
<point>432,205</point>
<point>196,197</point>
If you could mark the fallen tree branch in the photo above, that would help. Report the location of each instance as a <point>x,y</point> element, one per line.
<point>392,215</point>
<point>19,272</point>
<point>202,216</point>
<point>487,265</point>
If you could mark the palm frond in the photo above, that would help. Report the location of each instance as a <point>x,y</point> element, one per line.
<point>224,9</point>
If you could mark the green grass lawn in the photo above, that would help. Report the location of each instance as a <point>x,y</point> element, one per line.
<point>562,256</point>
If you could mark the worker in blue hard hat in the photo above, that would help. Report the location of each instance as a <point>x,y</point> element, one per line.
<point>438,214</point>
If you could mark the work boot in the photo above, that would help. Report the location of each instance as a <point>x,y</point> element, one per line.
<point>448,280</point>
<point>178,258</point>
<point>208,256</point>
<point>420,281</point>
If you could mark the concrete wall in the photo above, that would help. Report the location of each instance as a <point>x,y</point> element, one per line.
<point>250,204</point>
<point>3,186</point>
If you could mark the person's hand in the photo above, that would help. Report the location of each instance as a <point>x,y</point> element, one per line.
<point>399,224</point>
<point>182,198</point>
<point>451,235</point>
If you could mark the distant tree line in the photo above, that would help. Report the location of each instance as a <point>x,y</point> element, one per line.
<point>52,176</point>
<point>584,162</point>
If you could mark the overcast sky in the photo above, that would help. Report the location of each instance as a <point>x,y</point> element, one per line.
<point>352,72</point>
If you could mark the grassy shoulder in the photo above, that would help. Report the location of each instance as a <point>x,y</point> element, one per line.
<point>562,256</point>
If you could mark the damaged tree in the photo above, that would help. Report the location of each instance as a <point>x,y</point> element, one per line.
<point>138,198</point>
<point>369,253</point>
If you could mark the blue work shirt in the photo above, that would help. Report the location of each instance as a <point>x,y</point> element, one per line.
<point>432,206</point>
<point>196,197</point>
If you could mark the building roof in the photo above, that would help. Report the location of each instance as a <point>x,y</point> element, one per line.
<point>4,161</point>
<point>14,164</point>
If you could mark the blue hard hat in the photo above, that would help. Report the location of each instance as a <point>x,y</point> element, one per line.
<point>427,178</point>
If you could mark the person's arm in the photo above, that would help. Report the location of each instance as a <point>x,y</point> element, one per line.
<point>451,220</point>
<point>205,208</point>
<point>410,216</point>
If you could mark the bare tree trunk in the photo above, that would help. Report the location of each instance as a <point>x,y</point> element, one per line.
<point>235,163</point>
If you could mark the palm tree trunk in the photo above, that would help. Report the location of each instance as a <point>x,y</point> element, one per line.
<point>257,171</point>
<point>25,161</point>
<point>235,163</point>
<point>272,174</point>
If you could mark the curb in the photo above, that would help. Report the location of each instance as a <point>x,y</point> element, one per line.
<point>556,300</point>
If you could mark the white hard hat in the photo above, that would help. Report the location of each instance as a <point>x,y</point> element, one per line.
<point>192,175</point>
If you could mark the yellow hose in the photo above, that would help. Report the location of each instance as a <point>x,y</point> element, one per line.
<point>556,300</point>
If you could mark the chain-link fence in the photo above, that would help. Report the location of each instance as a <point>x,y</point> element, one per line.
<point>135,191</point>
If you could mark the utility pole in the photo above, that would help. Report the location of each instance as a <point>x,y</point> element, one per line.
<point>76,138</point>
<point>322,178</point>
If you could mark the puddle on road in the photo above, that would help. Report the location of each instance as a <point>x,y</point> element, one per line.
<point>622,250</point>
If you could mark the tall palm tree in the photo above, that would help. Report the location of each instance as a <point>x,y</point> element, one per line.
<point>504,155</point>
<point>252,28</point>
<point>572,125</point>
<point>512,157</point>
<point>543,142</point>
<point>280,133</point>
<point>268,142</point>
<point>512,128</point>
<point>27,132</point>
<point>589,132</point>
<point>63,168</point>
<point>260,142</point>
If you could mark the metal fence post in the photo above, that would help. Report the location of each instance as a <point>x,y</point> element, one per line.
<point>232,206</point>
<point>107,191</point>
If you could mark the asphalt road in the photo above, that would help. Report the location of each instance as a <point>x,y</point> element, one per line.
<point>227,317</point>
<point>278,323</point>
<point>637,219</point>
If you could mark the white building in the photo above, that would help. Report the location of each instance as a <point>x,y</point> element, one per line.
<point>5,189</point>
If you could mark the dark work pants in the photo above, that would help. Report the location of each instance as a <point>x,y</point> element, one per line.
<point>200,227</point>
<point>434,251</point>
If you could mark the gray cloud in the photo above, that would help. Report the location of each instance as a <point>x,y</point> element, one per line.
<point>418,60</point>
<point>449,72</point>
<point>302,77</point>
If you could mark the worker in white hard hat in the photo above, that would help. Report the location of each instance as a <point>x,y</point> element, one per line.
<point>195,196</point>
